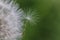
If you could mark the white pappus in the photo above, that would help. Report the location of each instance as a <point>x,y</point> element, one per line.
<point>10,20</point>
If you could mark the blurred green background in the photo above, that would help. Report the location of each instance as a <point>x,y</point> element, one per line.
<point>45,19</point>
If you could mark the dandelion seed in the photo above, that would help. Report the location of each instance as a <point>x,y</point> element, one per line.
<point>31,16</point>
<point>10,20</point>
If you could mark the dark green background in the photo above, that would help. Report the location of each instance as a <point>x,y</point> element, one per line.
<point>47,25</point>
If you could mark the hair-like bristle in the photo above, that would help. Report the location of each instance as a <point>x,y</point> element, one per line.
<point>10,20</point>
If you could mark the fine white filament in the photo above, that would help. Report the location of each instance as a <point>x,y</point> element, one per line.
<point>10,20</point>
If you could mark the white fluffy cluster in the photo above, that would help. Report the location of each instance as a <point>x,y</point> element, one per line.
<point>10,20</point>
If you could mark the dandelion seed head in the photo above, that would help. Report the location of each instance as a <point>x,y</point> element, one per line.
<point>10,21</point>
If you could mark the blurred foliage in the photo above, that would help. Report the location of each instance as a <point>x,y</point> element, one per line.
<point>48,25</point>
